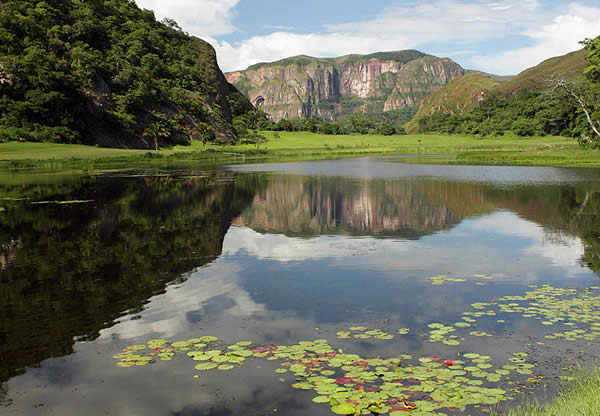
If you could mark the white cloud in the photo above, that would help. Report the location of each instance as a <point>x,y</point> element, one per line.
<point>561,249</point>
<point>395,28</point>
<point>549,32</point>
<point>556,38</point>
<point>280,45</point>
<point>203,18</point>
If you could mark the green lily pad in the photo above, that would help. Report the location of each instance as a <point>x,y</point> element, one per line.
<point>321,399</point>
<point>205,366</point>
<point>343,409</point>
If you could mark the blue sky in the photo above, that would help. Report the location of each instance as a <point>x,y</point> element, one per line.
<point>499,36</point>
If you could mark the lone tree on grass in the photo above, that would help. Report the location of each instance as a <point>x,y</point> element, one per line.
<point>155,131</point>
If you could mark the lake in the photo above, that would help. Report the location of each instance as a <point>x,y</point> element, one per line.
<point>307,288</point>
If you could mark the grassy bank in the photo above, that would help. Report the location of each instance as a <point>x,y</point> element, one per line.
<point>581,398</point>
<point>506,150</point>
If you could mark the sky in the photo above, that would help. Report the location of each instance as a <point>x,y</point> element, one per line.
<point>499,36</point>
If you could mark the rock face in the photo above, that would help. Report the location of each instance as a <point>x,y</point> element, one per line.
<point>333,88</point>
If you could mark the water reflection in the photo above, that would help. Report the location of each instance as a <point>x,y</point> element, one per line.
<point>69,270</point>
<point>265,257</point>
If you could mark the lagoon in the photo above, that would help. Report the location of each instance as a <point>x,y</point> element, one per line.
<point>393,269</point>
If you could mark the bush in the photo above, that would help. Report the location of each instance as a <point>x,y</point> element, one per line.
<point>523,128</point>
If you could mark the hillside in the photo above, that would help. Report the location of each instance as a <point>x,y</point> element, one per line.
<point>333,88</point>
<point>478,104</point>
<point>457,97</point>
<point>108,73</point>
<point>571,63</point>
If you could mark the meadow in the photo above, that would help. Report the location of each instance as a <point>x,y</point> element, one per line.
<point>448,149</point>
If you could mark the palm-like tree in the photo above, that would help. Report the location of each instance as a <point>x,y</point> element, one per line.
<point>155,131</point>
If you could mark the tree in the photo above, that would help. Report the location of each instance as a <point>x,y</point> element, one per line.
<point>585,93</point>
<point>258,140</point>
<point>579,91</point>
<point>155,131</point>
<point>385,129</point>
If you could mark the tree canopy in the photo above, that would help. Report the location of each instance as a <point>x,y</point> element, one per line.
<point>75,67</point>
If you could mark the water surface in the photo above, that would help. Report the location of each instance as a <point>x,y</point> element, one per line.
<point>276,254</point>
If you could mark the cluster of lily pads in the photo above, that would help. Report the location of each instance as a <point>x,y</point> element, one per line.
<point>441,279</point>
<point>551,306</point>
<point>362,332</point>
<point>439,332</point>
<point>354,385</point>
<point>349,383</point>
<point>199,349</point>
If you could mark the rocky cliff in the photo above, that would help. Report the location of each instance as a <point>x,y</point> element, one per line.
<point>332,88</point>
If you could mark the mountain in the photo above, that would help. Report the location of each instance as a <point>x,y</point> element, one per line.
<point>303,86</point>
<point>463,96</point>
<point>108,73</point>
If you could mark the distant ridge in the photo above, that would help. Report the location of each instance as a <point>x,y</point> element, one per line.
<point>397,56</point>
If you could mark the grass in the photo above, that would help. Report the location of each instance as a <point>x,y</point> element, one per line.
<point>455,149</point>
<point>580,398</point>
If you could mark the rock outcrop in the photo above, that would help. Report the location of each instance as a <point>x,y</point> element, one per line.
<point>333,88</point>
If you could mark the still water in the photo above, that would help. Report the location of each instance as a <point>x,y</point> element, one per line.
<point>278,254</point>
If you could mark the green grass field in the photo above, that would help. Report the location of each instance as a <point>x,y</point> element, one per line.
<point>580,398</point>
<point>506,150</point>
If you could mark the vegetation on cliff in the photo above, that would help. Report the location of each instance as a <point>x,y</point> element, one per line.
<point>396,56</point>
<point>103,72</point>
<point>529,104</point>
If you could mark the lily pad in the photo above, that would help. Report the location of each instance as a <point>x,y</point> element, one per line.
<point>205,366</point>
<point>343,409</point>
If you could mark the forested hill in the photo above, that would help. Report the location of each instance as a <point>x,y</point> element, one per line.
<point>525,104</point>
<point>106,72</point>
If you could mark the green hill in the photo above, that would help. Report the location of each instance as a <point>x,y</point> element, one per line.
<point>477,104</point>
<point>458,97</point>
<point>534,78</point>
<point>107,73</point>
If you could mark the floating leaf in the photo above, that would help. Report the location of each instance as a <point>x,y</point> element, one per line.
<point>343,409</point>
<point>208,339</point>
<point>321,399</point>
<point>205,366</point>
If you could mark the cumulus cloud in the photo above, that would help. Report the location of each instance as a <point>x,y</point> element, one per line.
<point>470,27</point>
<point>396,27</point>
<point>281,44</point>
<point>205,18</point>
<point>547,32</point>
<point>556,38</point>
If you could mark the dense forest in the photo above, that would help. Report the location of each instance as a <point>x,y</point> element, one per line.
<point>556,106</point>
<point>385,124</point>
<point>107,72</point>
